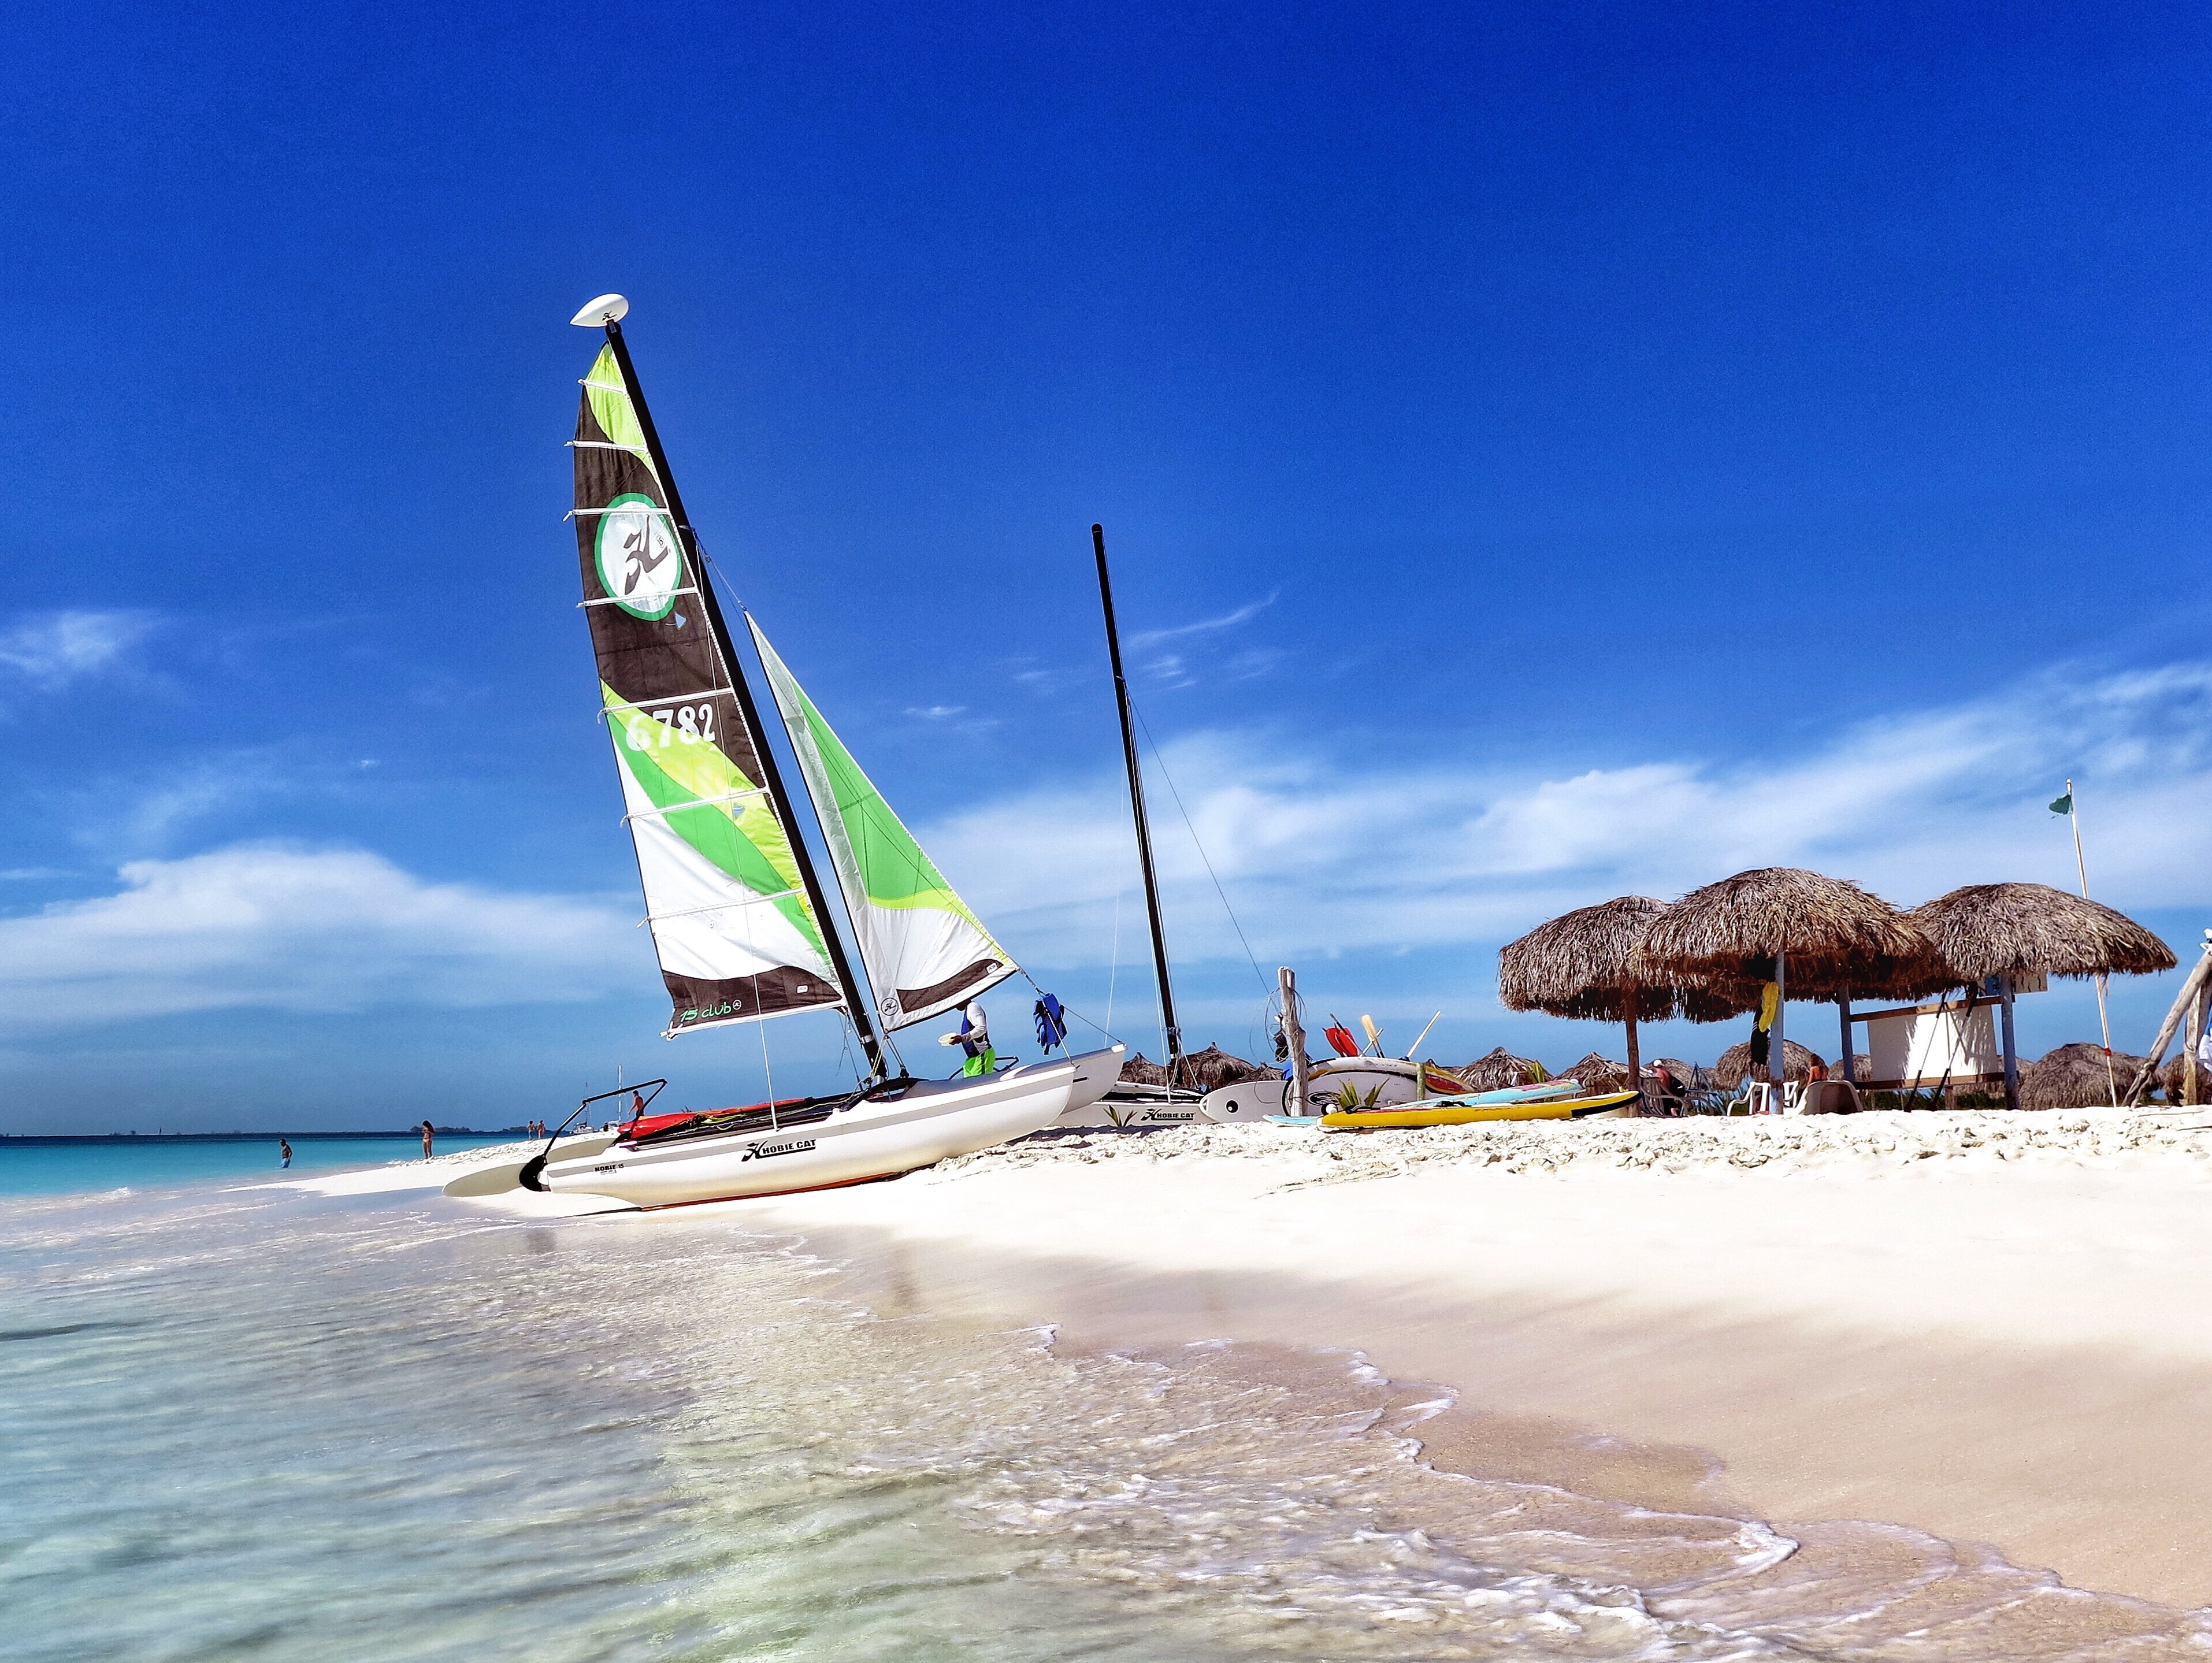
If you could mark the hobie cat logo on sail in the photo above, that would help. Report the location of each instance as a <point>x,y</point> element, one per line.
<point>640,568</point>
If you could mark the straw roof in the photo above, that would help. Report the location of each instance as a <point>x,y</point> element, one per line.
<point>2073,1076</point>
<point>1214,1068</point>
<point>1205,1071</point>
<point>2170,1079</point>
<point>1835,933</point>
<point>1871,977</point>
<point>1500,1069</point>
<point>1735,1063</point>
<point>1141,1070</point>
<point>1598,1074</point>
<point>2021,929</point>
<point>1579,963</point>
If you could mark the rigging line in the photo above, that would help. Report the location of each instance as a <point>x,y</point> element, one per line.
<point>1113,963</point>
<point>770,1072</point>
<point>1249,955</point>
<point>1066,1009</point>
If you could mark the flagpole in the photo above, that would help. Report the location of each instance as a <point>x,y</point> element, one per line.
<point>2104,1022</point>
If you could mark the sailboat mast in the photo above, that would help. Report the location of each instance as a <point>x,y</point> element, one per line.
<point>1137,807</point>
<point>857,1006</point>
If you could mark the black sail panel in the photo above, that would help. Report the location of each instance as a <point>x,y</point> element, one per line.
<point>737,937</point>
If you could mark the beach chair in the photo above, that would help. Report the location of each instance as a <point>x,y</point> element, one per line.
<point>1669,1099</point>
<point>1830,1097</point>
<point>1712,1100</point>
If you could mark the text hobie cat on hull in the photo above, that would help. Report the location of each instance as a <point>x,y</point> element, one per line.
<point>740,918</point>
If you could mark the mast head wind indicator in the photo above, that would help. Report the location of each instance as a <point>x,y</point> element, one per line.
<point>598,314</point>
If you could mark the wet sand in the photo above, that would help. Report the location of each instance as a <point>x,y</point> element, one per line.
<point>2015,1351</point>
<point>1988,1329</point>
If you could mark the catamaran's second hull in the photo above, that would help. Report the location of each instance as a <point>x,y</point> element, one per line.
<point>876,1137</point>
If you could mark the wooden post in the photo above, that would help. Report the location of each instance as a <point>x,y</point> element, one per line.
<point>2190,990</point>
<point>2192,1084</point>
<point>2192,1090</point>
<point>2011,1051</point>
<point>1844,1015</point>
<point>1628,992</point>
<point>1777,1069</point>
<point>1294,1040</point>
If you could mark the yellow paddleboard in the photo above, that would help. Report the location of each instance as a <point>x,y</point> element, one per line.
<point>1455,1114</point>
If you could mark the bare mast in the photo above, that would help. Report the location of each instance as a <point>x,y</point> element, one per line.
<point>1137,809</point>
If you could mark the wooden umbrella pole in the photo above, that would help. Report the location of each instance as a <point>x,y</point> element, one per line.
<point>2011,1050</point>
<point>1635,1063</point>
<point>1777,1067</point>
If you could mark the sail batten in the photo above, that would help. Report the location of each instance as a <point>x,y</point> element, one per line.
<point>735,928</point>
<point>924,949</point>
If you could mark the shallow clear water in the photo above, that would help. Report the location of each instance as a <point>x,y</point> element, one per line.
<point>252,1423</point>
<point>30,1166</point>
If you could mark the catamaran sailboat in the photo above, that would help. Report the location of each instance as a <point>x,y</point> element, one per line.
<point>739,915</point>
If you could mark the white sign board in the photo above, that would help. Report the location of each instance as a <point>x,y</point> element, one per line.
<point>1907,1049</point>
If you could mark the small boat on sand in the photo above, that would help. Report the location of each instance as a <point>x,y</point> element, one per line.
<point>1453,1113</point>
<point>1363,1084</point>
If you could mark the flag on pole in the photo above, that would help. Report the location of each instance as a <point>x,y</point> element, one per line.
<point>2064,804</point>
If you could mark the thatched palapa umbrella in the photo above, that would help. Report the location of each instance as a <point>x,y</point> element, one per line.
<point>1140,1069</point>
<point>1734,1063</point>
<point>1599,1075</point>
<point>1499,1068</point>
<point>1820,937</point>
<point>1200,1070</point>
<point>1580,965</point>
<point>1212,1068</point>
<point>2073,1076</point>
<point>2009,931</point>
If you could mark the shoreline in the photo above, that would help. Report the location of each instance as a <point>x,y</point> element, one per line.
<point>1982,1328</point>
<point>1986,1348</point>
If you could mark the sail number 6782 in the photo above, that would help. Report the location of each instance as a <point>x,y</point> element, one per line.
<point>692,724</point>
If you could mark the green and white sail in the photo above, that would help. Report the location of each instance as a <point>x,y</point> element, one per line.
<point>925,951</point>
<point>736,935</point>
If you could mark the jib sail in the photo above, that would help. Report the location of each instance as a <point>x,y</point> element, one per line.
<point>924,951</point>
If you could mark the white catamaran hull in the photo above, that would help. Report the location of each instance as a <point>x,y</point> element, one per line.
<point>1389,1079</point>
<point>877,1137</point>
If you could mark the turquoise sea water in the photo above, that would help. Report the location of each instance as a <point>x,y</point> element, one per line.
<point>62,1166</point>
<point>250,1423</point>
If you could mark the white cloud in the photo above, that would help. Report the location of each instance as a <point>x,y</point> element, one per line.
<point>1243,613</point>
<point>1320,858</point>
<point>308,931</point>
<point>51,649</point>
<point>935,713</point>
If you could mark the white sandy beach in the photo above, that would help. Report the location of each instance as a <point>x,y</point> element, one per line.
<point>1988,1328</point>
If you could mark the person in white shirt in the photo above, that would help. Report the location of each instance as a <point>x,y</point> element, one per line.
<point>974,1039</point>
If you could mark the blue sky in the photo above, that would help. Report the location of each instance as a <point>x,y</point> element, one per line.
<point>1546,453</point>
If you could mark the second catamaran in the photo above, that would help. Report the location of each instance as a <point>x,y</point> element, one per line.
<point>739,916</point>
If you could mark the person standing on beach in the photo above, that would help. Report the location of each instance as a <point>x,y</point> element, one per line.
<point>426,1140</point>
<point>284,1149</point>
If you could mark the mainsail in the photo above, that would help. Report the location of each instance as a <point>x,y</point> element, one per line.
<point>925,951</point>
<point>724,891</point>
